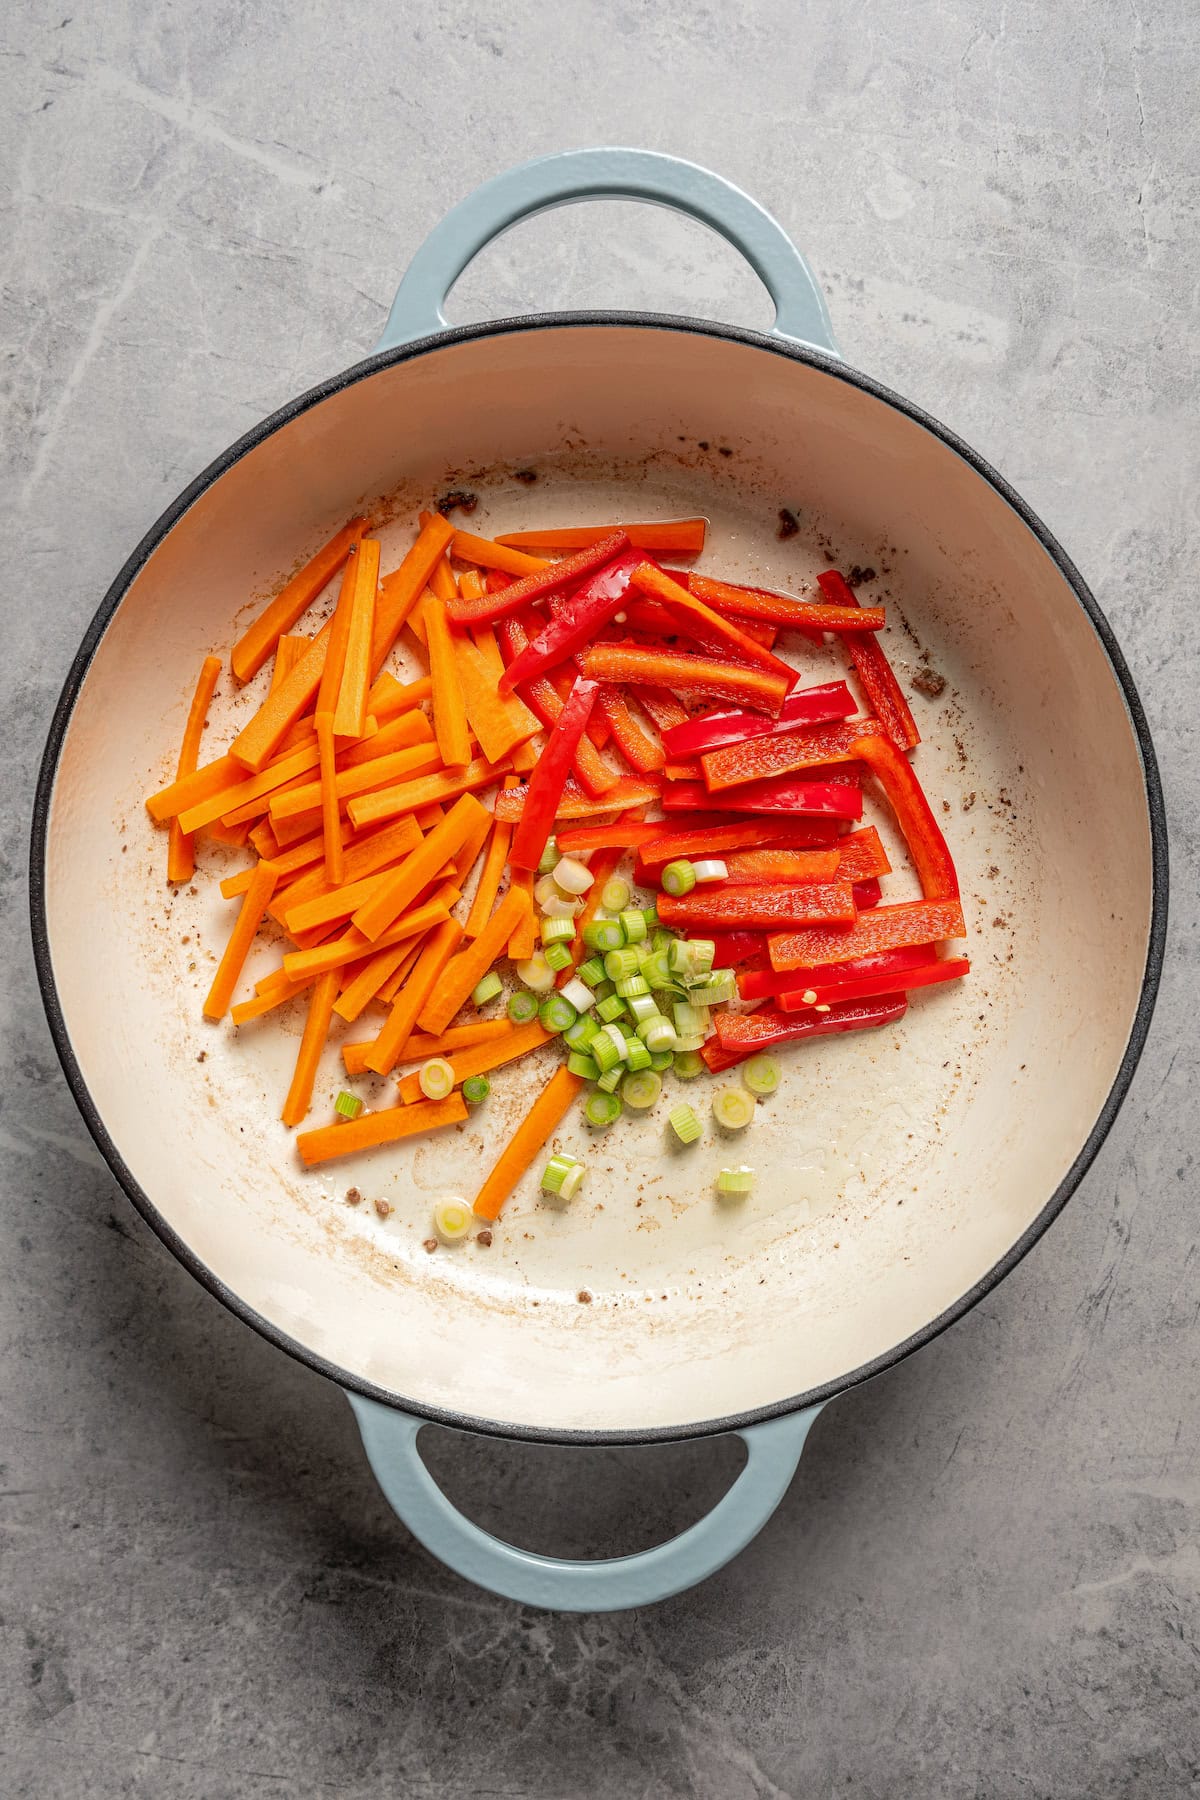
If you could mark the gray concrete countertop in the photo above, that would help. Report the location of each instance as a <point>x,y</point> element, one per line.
<point>984,1580</point>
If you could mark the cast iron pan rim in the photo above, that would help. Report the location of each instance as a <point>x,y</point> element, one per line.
<point>838,371</point>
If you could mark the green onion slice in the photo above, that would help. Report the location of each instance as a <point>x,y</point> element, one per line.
<point>733,1108</point>
<point>555,1013</point>
<point>735,1181</point>
<point>761,1074</point>
<point>522,1006</point>
<point>602,1109</point>
<point>615,895</point>
<point>678,878</point>
<point>487,988</point>
<point>347,1105</point>
<point>436,1078</point>
<point>641,1090</point>
<point>684,1123</point>
<point>476,1089</point>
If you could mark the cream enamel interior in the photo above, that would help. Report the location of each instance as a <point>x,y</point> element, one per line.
<point>895,1169</point>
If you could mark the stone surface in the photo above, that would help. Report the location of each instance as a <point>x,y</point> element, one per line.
<point>985,1579</point>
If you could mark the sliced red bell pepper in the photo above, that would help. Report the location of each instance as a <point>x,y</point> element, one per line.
<point>759,758</point>
<point>803,707</point>
<point>575,803</point>
<point>867,894</point>
<point>755,868</point>
<point>914,815</point>
<point>708,627</point>
<point>808,616</point>
<point>686,674</point>
<point>620,835</point>
<point>832,993</point>
<point>863,856</point>
<point>726,908</point>
<point>666,711</point>
<point>687,770</point>
<point>831,799</point>
<point>640,751</point>
<point>760,984</point>
<point>545,786</point>
<point>713,836</point>
<point>885,928</point>
<point>874,670</point>
<point>543,699</point>
<point>655,621</point>
<point>745,1034</point>
<point>733,947</point>
<point>576,622</point>
<point>503,602</point>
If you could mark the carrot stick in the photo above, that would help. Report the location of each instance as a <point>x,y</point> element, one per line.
<point>546,1112</point>
<point>390,802</point>
<point>264,841</point>
<point>229,831</point>
<point>523,942</point>
<point>267,1001</point>
<point>250,917</point>
<point>490,555</point>
<point>288,652</point>
<point>366,857</point>
<point>250,788</point>
<point>677,537</point>
<point>258,741</point>
<point>449,713</point>
<point>471,964</point>
<point>188,790</point>
<point>350,713</point>
<point>422,866</point>
<point>327,909</point>
<point>331,812</point>
<point>421,1046</point>
<point>401,590</point>
<point>260,639</point>
<point>441,577</point>
<point>361,778</point>
<point>440,947</point>
<point>477,1059</point>
<point>391,987</point>
<point>499,721</point>
<point>352,945</point>
<point>489,880</point>
<point>378,1128</point>
<point>312,1042</point>
<point>181,858</point>
<point>466,858</point>
<point>365,986</point>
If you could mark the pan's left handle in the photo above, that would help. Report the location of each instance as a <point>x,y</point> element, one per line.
<point>563,1585</point>
<point>609,174</point>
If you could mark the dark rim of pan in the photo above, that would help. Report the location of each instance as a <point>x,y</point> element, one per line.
<point>363,371</point>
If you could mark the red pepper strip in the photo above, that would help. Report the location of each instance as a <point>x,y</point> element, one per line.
<point>501,603</point>
<point>808,616</point>
<point>576,622</point>
<point>914,815</point>
<point>666,711</point>
<point>621,834</point>
<point>562,681</point>
<point>748,605</point>
<point>758,868</point>
<point>574,803</point>
<point>654,619</point>
<point>725,908</point>
<point>749,1033</point>
<point>803,706</point>
<point>639,751</point>
<point>686,674</point>
<point>715,836</point>
<point>885,928</point>
<point>549,778</point>
<point>760,984</point>
<point>867,894</point>
<point>759,758</point>
<point>730,947</point>
<point>543,699</point>
<point>832,799</point>
<point>874,670</point>
<point>863,856</point>
<point>708,627</point>
<point>869,987</point>
<point>687,770</point>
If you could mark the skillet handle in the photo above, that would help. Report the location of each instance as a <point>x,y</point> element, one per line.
<point>549,181</point>
<point>561,1585</point>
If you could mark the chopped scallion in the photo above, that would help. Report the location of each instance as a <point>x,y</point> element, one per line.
<point>620,963</point>
<point>522,1006</point>
<point>602,1109</point>
<point>562,1176</point>
<point>536,973</point>
<point>476,1089</point>
<point>436,1078</point>
<point>452,1220</point>
<point>635,927</point>
<point>578,993</point>
<point>636,1055</point>
<point>591,971</point>
<point>580,1063</point>
<point>733,1108</point>
<point>761,1074</point>
<point>486,988</point>
<point>558,957</point>
<point>710,868</point>
<point>555,1013</point>
<point>641,1090</point>
<point>684,1123</point>
<point>573,876</point>
<point>612,1078</point>
<point>347,1106</point>
<point>604,934</point>
<point>678,878</point>
<point>610,1009</point>
<point>735,1181</point>
<point>632,987</point>
<point>579,1035</point>
<point>614,897</point>
<point>688,1064</point>
<point>550,856</point>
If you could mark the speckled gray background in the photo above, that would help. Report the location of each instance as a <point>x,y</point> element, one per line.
<point>984,1580</point>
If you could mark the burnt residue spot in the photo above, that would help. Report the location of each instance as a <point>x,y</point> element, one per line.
<point>929,683</point>
<point>484,1238</point>
<point>859,576</point>
<point>460,499</point>
<point>789,524</point>
<point>353,1196</point>
<point>960,750</point>
<point>430,1245</point>
<point>702,443</point>
<point>724,450</point>
<point>583,1297</point>
<point>201,1055</point>
<point>993,871</point>
<point>968,802</point>
<point>528,476</point>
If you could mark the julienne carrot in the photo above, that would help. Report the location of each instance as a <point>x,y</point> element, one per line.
<point>250,917</point>
<point>482,1058</point>
<point>371,804</point>
<point>670,537</point>
<point>316,1030</point>
<point>181,854</point>
<point>547,1111</point>
<point>261,638</point>
<point>377,1128</point>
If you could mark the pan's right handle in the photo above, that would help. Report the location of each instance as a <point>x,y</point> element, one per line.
<point>561,1584</point>
<point>613,174</point>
